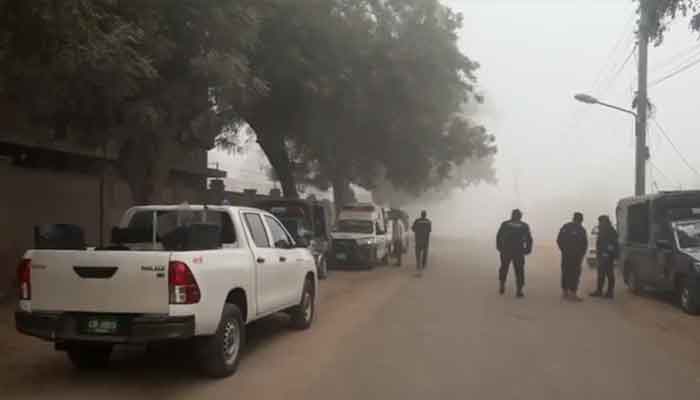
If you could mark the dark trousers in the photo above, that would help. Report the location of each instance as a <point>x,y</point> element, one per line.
<point>606,270</point>
<point>570,271</point>
<point>518,261</point>
<point>421,255</point>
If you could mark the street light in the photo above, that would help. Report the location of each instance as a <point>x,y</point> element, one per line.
<point>588,99</point>
<point>585,98</point>
<point>642,151</point>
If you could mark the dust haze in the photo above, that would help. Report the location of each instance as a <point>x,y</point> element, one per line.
<point>556,156</point>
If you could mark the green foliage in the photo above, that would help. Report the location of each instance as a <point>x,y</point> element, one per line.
<point>663,12</point>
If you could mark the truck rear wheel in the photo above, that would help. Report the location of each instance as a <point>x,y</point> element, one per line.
<point>689,298</point>
<point>218,355</point>
<point>303,314</point>
<point>89,355</point>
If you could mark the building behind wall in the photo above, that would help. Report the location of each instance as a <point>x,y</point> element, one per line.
<point>61,183</point>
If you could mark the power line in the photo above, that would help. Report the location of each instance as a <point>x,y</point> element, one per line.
<point>664,175</point>
<point>686,67</point>
<point>619,70</point>
<point>675,148</point>
<point>626,36</point>
<point>683,55</point>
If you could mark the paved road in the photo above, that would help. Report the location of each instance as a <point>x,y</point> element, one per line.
<point>385,334</point>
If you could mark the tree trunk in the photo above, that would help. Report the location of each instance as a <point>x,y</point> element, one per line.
<point>342,193</point>
<point>276,152</point>
<point>145,165</point>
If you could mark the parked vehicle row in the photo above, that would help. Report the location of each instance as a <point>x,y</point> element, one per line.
<point>193,274</point>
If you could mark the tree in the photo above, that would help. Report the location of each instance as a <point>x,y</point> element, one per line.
<point>157,78</point>
<point>390,113</point>
<point>663,12</point>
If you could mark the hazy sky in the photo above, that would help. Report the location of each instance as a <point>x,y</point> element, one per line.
<point>534,55</point>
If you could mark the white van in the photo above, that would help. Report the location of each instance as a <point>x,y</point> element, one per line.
<point>360,236</point>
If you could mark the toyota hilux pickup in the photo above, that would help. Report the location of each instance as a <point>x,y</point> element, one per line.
<point>196,274</point>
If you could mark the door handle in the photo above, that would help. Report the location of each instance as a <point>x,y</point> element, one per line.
<point>283,259</point>
<point>260,260</point>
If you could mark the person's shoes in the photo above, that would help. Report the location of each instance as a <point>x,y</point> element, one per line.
<point>565,295</point>
<point>597,293</point>
<point>609,295</point>
<point>575,298</point>
<point>520,294</point>
<point>502,288</point>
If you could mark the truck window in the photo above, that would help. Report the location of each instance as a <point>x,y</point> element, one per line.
<point>279,236</point>
<point>638,229</point>
<point>257,229</point>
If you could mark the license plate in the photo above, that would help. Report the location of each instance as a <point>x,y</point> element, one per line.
<point>341,256</point>
<point>101,326</point>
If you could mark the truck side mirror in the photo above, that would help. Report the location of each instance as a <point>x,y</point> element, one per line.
<point>302,243</point>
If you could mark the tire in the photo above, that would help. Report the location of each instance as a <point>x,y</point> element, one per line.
<point>218,355</point>
<point>633,281</point>
<point>689,299</point>
<point>87,356</point>
<point>323,268</point>
<point>304,313</point>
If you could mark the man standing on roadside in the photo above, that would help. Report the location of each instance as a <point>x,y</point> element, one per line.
<point>573,243</point>
<point>422,228</point>
<point>608,250</point>
<point>514,242</point>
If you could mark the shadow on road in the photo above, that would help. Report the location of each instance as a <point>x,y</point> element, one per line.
<point>160,369</point>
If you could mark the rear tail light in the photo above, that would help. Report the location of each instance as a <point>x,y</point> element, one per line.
<point>183,287</point>
<point>24,279</point>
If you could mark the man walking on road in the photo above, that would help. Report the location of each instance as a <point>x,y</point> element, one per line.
<point>422,228</point>
<point>573,243</point>
<point>514,242</point>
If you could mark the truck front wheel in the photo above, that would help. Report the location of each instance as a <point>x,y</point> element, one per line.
<point>218,355</point>
<point>89,355</point>
<point>689,297</point>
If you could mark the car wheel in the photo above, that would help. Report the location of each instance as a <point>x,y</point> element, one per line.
<point>633,281</point>
<point>89,355</point>
<point>219,354</point>
<point>689,298</point>
<point>303,314</point>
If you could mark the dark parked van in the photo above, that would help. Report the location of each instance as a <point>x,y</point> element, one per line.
<point>309,221</point>
<point>660,242</point>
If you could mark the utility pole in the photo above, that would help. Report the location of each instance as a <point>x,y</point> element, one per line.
<point>642,151</point>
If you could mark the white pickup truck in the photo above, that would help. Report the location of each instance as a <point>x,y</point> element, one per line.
<point>192,273</point>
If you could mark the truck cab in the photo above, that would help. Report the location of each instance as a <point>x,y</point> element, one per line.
<point>660,242</point>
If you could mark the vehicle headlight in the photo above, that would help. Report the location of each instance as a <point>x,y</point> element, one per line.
<point>696,265</point>
<point>365,241</point>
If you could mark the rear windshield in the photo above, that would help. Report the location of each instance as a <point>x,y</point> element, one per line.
<point>355,226</point>
<point>167,223</point>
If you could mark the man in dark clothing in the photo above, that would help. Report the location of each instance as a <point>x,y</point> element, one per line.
<point>514,242</point>
<point>573,243</point>
<point>422,228</point>
<point>608,249</point>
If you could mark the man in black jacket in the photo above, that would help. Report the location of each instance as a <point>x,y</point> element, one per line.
<point>573,243</point>
<point>608,249</point>
<point>422,227</point>
<point>514,242</point>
